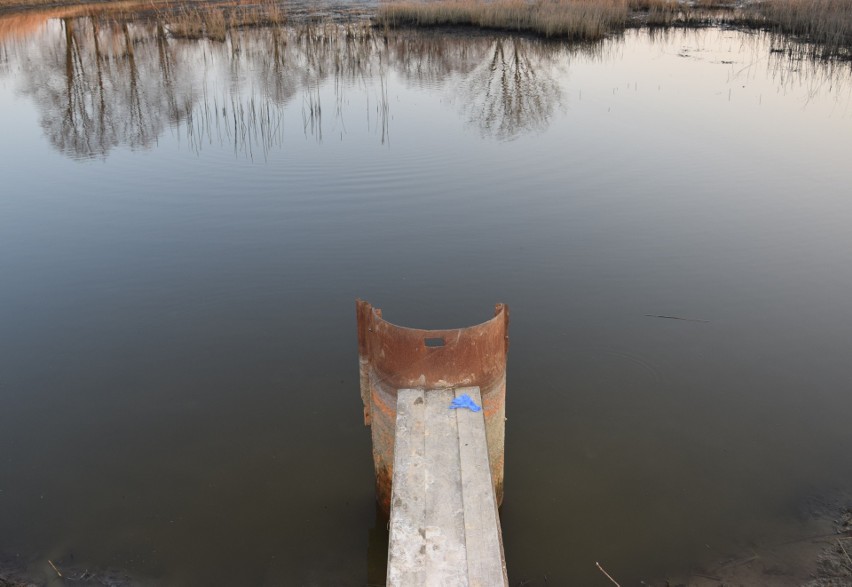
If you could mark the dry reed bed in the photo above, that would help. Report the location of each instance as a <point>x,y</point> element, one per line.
<point>199,20</point>
<point>825,22</point>
<point>828,22</point>
<point>214,22</point>
<point>20,7</point>
<point>574,19</point>
<point>585,20</point>
<point>191,19</point>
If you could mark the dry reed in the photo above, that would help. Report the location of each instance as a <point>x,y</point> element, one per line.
<point>826,22</point>
<point>214,22</point>
<point>585,20</point>
<point>573,19</point>
<point>78,6</point>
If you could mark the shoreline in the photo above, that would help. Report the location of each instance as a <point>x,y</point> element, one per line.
<point>822,27</point>
<point>819,556</point>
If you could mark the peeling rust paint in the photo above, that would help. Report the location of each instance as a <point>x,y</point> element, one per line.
<point>394,357</point>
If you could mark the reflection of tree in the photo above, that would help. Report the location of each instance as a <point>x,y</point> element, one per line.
<point>75,122</point>
<point>514,91</point>
<point>101,83</point>
<point>507,85</point>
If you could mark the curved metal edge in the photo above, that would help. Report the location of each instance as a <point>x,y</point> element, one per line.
<point>402,357</point>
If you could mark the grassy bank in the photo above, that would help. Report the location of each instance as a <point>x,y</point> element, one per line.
<point>828,22</point>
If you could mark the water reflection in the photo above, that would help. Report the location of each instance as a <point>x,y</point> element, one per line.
<point>789,62</point>
<point>515,90</point>
<point>377,549</point>
<point>100,84</point>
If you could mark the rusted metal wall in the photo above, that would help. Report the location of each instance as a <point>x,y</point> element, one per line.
<point>394,357</point>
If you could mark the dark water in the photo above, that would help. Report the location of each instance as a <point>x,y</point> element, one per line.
<point>184,227</point>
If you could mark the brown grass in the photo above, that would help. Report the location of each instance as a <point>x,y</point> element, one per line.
<point>192,19</point>
<point>573,19</point>
<point>586,20</point>
<point>655,12</point>
<point>80,7</point>
<point>826,22</point>
<point>199,22</point>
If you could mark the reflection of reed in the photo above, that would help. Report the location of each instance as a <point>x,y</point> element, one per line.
<point>278,64</point>
<point>791,63</point>
<point>250,127</point>
<point>312,113</point>
<point>383,110</point>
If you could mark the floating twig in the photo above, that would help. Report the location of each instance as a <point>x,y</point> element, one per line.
<point>676,318</point>
<point>608,576</point>
<point>53,566</point>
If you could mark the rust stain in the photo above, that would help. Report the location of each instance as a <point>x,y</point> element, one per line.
<point>393,357</point>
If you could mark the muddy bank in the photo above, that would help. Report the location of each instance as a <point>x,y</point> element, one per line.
<point>820,557</point>
<point>36,571</point>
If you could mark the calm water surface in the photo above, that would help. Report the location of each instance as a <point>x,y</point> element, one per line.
<point>184,227</point>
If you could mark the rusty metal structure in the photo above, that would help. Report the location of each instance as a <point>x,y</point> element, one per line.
<point>393,357</point>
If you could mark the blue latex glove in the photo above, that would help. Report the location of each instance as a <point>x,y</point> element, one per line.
<point>465,401</point>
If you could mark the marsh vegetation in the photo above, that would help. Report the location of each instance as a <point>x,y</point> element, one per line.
<point>827,22</point>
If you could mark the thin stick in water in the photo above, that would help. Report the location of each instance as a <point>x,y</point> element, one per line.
<point>840,544</point>
<point>608,576</point>
<point>50,562</point>
<point>676,318</point>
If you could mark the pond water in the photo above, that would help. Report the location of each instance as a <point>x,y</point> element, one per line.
<point>185,225</point>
